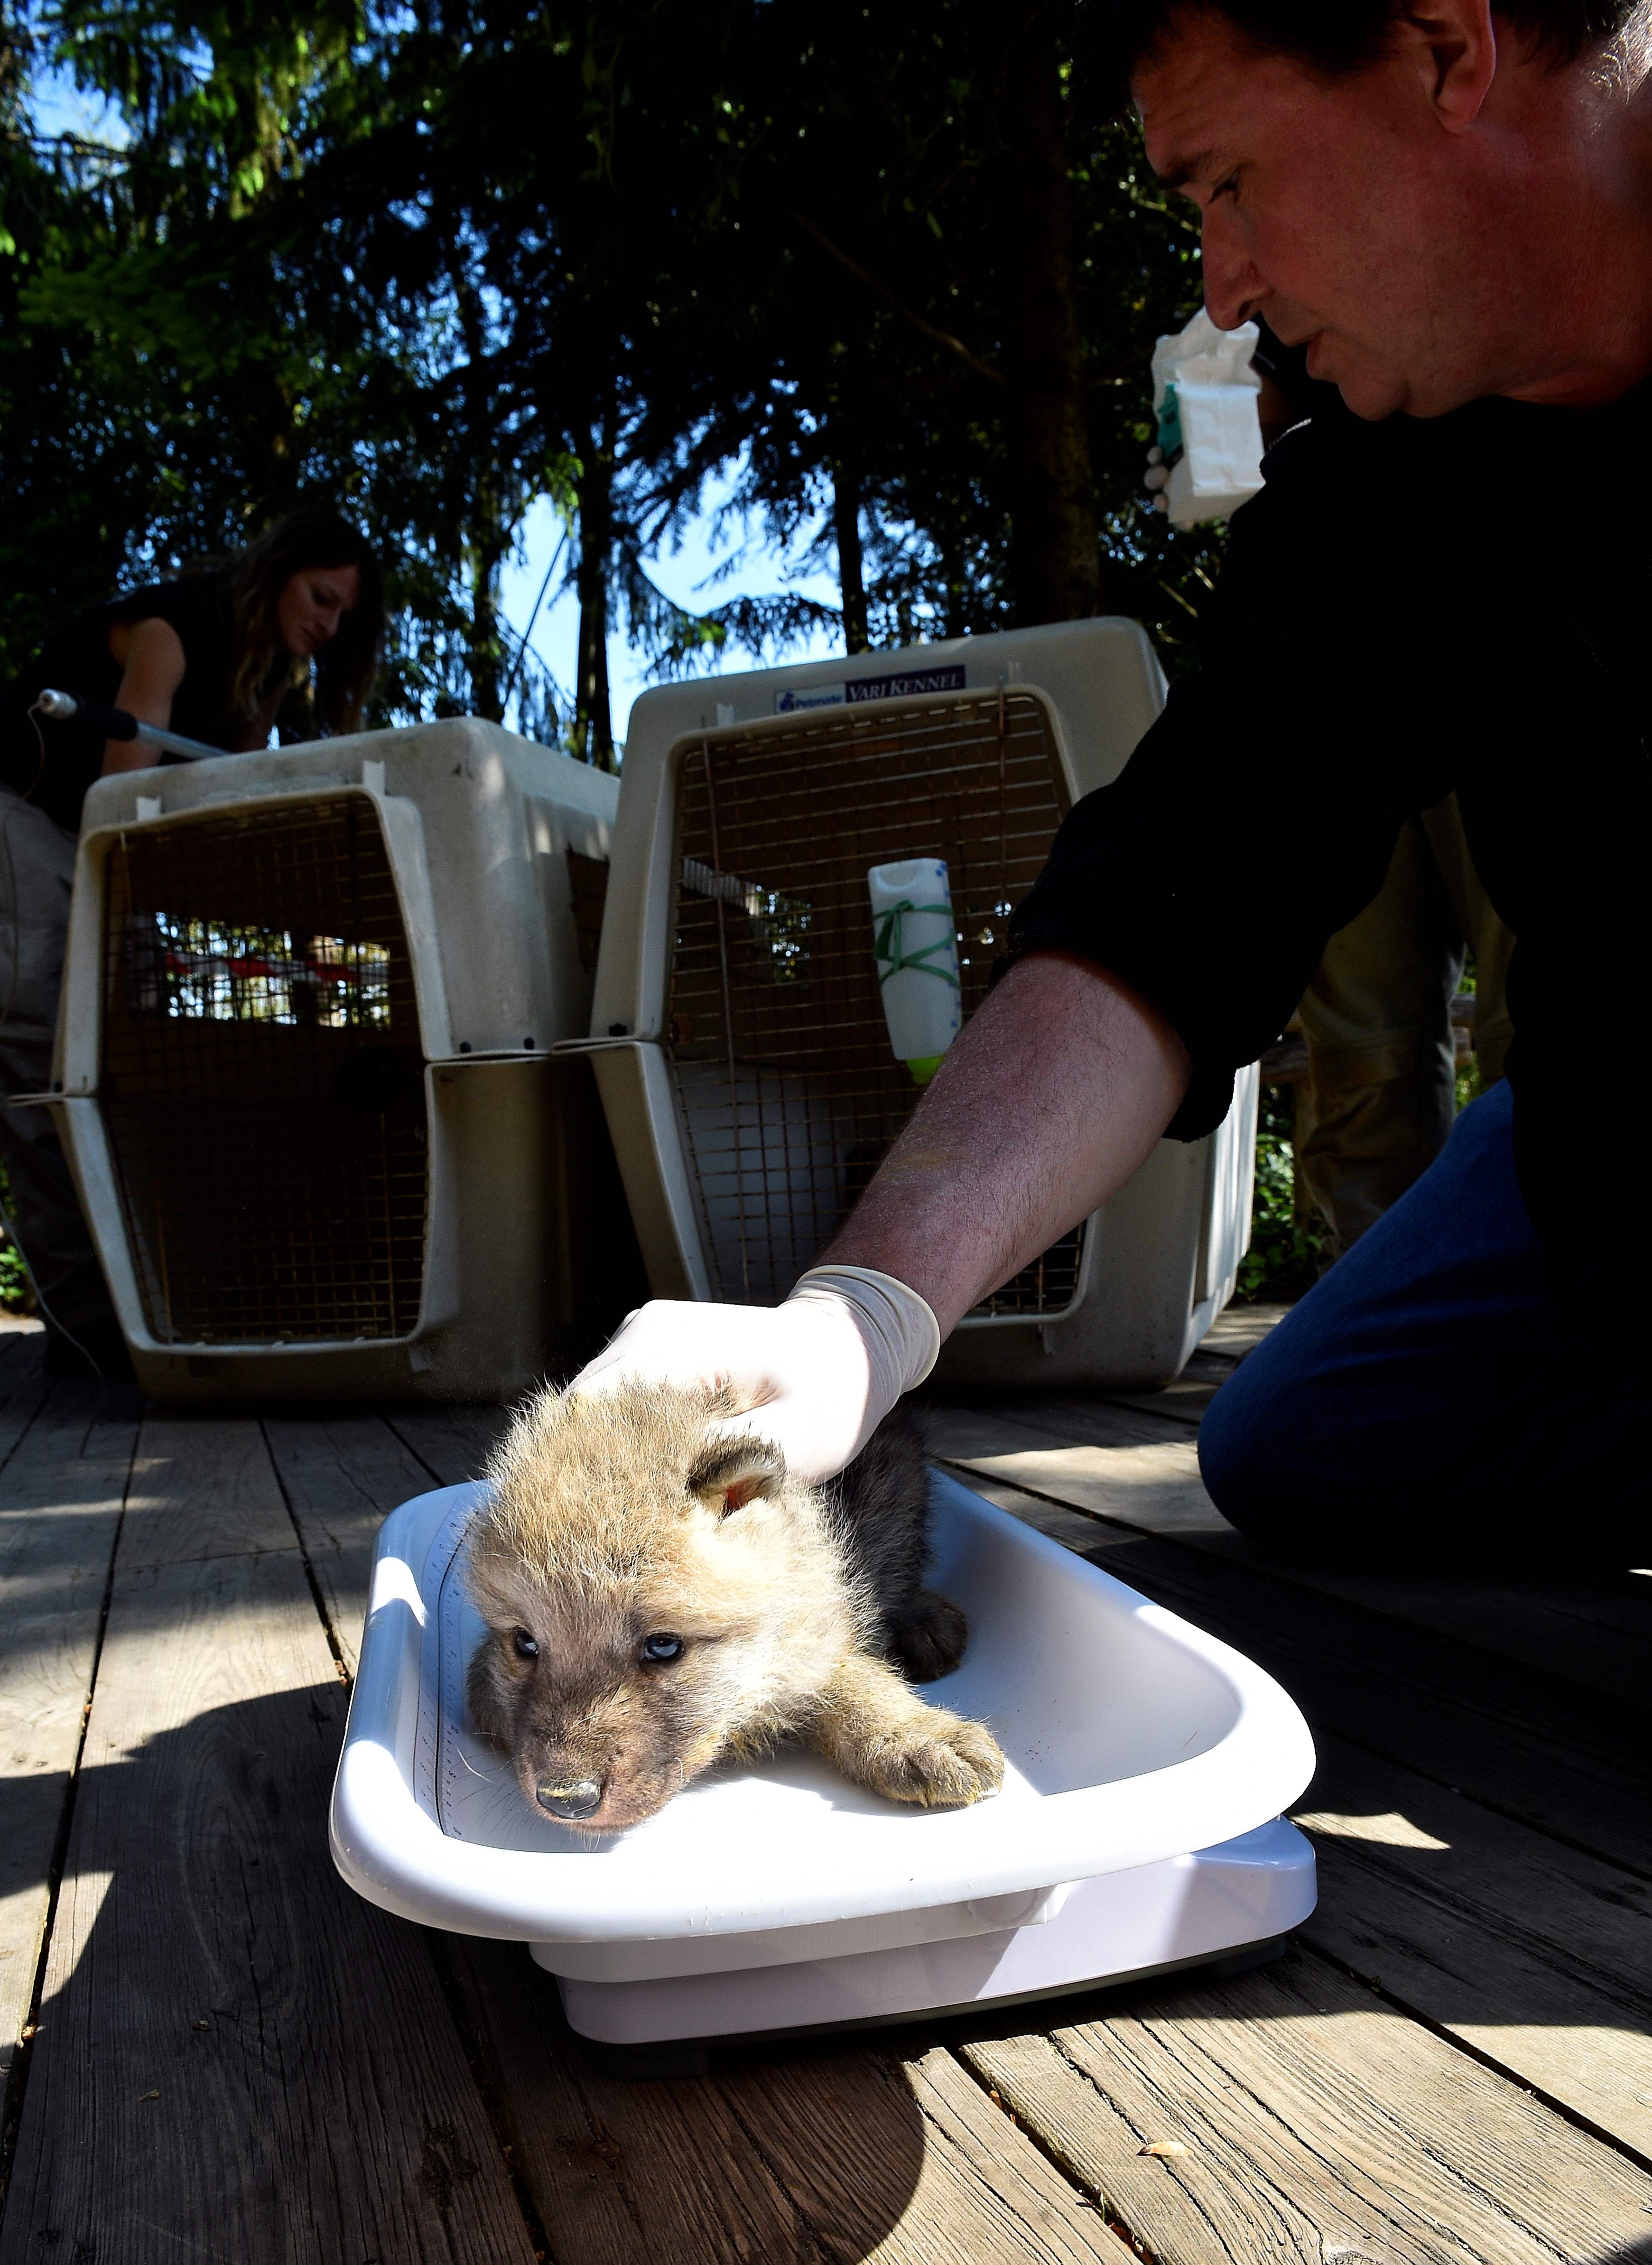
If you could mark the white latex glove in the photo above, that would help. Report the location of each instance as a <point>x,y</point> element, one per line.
<point>818,1372</point>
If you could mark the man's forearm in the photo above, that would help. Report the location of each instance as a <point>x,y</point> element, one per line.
<point>1049,1099</point>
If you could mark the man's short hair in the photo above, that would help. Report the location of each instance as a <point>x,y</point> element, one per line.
<point>1346,35</point>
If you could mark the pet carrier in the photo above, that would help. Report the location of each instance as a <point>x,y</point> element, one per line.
<point>750,1063</point>
<point>304,1070</point>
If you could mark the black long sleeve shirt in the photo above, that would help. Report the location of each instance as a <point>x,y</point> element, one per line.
<point>1408,608</point>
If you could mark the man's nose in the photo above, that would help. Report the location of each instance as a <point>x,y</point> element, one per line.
<point>1233,285</point>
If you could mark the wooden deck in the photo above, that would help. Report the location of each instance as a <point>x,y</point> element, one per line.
<point>216,2051</point>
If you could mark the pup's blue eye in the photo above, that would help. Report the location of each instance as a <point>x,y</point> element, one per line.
<point>662,1647</point>
<point>526,1646</point>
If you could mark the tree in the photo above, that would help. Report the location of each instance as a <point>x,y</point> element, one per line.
<point>900,269</point>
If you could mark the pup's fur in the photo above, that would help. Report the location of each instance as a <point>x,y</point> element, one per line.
<point>613,1520</point>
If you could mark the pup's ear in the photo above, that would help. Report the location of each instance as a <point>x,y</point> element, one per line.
<point>727,1477</point>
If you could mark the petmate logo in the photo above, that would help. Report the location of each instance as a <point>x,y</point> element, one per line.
<point>910,682</point>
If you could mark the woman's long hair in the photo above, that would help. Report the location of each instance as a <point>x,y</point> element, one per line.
<point>253,580</point>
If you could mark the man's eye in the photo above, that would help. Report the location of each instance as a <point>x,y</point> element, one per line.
<point>658,1648</point>
<point>1227,188</point>
<point>527,1647</point>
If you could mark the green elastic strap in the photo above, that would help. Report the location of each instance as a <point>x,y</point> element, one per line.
<point>886,944</point>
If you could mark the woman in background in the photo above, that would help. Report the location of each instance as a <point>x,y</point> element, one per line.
<point>283,637</point>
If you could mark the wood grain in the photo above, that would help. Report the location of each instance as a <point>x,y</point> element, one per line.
<point>1535,1953</point>
<point>1100,1455</point>
<point>342,1475</point>
<point>621,2171</point>
<point>61,1493</point>
<point>1534,1746</point>
<point>238,2058</point>
<point>202,1486</point>
<point>1318,2123</point>
<point>452,1443</point>
<point>837,2154</point>
<point>1239,1329</point>
<point>23,1385</point>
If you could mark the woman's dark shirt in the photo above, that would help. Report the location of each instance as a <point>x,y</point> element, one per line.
<point>1408,608</point>
<point>78,659</point>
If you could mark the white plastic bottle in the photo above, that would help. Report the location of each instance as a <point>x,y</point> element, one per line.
<point>915,943</point>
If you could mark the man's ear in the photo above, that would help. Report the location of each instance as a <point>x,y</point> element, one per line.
<point>1453,44</point>
<point>728,1477</point>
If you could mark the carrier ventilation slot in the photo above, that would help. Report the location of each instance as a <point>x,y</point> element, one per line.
<point>263,1079</point>
<point>788,1092</point>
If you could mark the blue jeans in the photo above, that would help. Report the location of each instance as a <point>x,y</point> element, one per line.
<point>1427,1405</point>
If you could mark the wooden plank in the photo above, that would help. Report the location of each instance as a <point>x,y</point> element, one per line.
<point>23,1385</point>
<point>1139,1472</point>
<point>617,2171</point>
<point>1187,1396</point>
<point>1598,1631</point>
<point>1535,1953</point>
<point>1533,1747</point>
<point>902,2159</point>
<point>453,1444</point>
<point>1318,2123</point>
<point>59,1508</point>
<point>1239,1329</point>
<point>1094,1454</point>
<point>840,2154</point>
<point>1538,1956</point>
<point>202,1486</point>
<point>237,2057</point>
<point>342,1475</point>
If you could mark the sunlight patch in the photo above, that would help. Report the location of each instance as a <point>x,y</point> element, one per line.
<point>1390,1830</point>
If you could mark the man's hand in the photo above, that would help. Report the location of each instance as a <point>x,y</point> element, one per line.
<point>1046,1103</point>
<point>818,1373</point>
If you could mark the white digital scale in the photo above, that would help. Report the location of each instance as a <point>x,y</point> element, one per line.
<point>1139,1830</point>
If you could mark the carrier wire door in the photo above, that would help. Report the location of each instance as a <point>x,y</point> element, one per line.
<point>306,1074</point>
<point>780,1055</point>
<point>263,1080</point>
<point>738,1029</point>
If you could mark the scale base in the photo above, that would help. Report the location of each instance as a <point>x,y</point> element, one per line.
<point>700,2055</point>
<point>1238,1901</point>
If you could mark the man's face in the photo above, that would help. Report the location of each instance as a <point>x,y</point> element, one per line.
<point>1341,211</point>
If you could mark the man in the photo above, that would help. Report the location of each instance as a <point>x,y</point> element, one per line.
<point>1450,207</point>
<point>1376,1105</point>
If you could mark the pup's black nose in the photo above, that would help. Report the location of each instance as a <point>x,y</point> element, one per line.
<point>582,1798</point>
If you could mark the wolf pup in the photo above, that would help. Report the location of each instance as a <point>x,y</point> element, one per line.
<point>656,1600</point>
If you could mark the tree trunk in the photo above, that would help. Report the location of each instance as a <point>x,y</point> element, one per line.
<point>485,655</point>
<point>846,516</point>
<point>1055,541</point>
<point>593,718</point>
<point>485,540</point>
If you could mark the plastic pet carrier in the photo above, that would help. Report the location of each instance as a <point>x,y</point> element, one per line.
<point>304,1070</point>
<point>813,871</point>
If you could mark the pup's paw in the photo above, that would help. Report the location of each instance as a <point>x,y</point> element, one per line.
<point>937,1760</point>
<point>929,1639</point>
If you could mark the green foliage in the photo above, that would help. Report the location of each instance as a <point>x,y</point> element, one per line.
<point>435,263</point>
<point>17,1292</point>
<point>1286,1250</point>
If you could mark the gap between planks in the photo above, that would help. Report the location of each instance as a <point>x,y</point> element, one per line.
<point>714,2166</point>
<point>232,2048</point>
<point>1530,1953</point>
